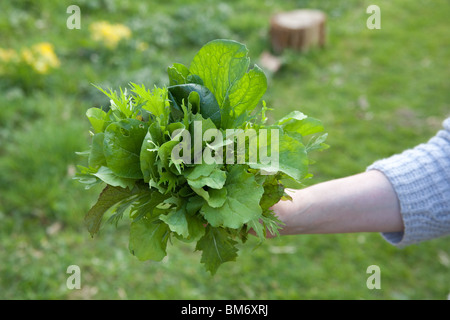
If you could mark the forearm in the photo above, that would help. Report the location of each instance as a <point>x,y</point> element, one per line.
<point>365,202</point>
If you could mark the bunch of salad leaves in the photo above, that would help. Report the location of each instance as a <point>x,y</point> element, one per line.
<point>212,204</point>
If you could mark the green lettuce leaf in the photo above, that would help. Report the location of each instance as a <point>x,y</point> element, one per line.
<point>220,64</point>
<point>186,224</point>
<point>217,247</point>
<point>177,73</point>
<point>98,118</point>
<point>106,175</point>
<point>241,203</point>
<point>299,123</point>
<point>248,91</point>
<point>109,197</point>
<point>292,156</point>
<point>96,155</point>
<point>223,67</point>
<point>209,108</point>
<point>122,147</point>
<point>148,239</point>
<point>209,175</point>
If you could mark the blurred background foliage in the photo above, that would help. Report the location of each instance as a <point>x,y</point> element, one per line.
<point>377,92</point>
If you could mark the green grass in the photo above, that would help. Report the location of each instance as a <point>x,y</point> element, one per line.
<point>377,92</point>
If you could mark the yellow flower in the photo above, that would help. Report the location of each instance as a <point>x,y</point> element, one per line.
<point>109,34</point>
<point>41,57</point>
<point>46,56</point>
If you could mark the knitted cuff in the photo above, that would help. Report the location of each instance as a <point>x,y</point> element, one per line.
<point>421,180</point>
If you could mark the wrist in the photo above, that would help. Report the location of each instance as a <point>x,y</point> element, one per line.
<point>294,213</point>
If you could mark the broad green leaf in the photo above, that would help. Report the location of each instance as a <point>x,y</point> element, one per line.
<point>290,183</point>
<point>248,91</point>
<point>214,197</point>
<point>176,110</point>
<point>211,177</point>
<point>293,159</point>
<point>223,66</point>
<point>273,191</point>
<point>206,175</point>
<point>302,125</point>
<point>194,204</point>
<point>291,117</point>
<point>97,117</point>
<point>194,102</point>
<point>109,197</point>
<point>106,175</point>
<point>197,129</point>
<point>209,108</point>
<point>217,247</point>
<point>197,121</point>
<point>220,64</point>
<point>96,155</point>
<point>193,78</point>
<point>148,239</point>
<point>215,180</point>
<point>242,200</point>
<point>180,74</point>
<point>185,224</point>
<point>196,227</point>
<point>177,74</point>
<point>171,127</point>
<point>122,147</point>
<point>217,197</point>
<point>177,222</point>
<point>287,154</point>
<point>201,192</point>
<point>196,172</point>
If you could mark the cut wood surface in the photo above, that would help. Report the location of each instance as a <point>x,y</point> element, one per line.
<point>299,29</point>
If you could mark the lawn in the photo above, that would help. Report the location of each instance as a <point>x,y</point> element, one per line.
<point>377,93</point>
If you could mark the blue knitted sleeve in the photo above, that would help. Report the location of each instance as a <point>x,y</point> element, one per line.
<point>421,179</point>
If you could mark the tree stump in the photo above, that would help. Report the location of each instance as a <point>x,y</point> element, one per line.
<point>298,30</point>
